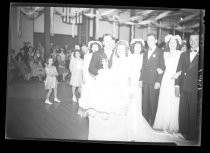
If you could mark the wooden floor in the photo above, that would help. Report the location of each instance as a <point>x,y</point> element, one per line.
<point>27,116</point>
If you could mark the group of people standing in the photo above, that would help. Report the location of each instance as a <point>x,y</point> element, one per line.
<point>133,93</point>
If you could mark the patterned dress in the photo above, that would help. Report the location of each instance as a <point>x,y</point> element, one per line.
<point>51,80</point>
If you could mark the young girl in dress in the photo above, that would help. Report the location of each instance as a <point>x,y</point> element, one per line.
<point>76,69</point>
<point>51,80</point>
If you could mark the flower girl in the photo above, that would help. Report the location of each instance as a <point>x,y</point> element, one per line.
<point>51,80</point>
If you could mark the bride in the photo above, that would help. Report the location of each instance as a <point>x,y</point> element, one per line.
<point>107,111</point>
<point>115,111</point>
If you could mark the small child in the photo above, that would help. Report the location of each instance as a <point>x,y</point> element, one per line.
<point>76,69</point>
<point>51,80</point>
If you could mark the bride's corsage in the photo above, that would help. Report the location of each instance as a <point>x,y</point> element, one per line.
<point>104,63</point>
<point>160,71</point>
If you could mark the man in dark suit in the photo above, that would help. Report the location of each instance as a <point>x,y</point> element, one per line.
<point>186,88</point>
<point>151,76</point>
<point>106,54</point>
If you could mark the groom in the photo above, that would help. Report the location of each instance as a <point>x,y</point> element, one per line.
<point>98,57</point>
<point>150,78</point>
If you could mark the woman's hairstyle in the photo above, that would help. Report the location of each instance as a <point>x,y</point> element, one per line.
<point>133,45</point>
<point>121,42</point>
<point>74,54</point>
<point>178,41</point>
<point>94,43</point>
<point>178,45</point>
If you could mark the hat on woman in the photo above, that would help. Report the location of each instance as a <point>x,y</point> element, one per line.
<point>137,39</point>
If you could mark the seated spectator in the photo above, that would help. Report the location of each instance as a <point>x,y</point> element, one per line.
<point>39,57</point>
<point>41,50</point>
<point>24,70</point>
<point>37,69</point>
<point>12,70</point>
<point>20,55</point>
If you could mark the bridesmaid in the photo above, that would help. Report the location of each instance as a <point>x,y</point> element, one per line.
<point>168,104</point>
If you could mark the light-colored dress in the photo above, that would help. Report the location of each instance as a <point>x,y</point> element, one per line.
<point>168,104</point>
<point>135,107</point>
<point>87,92</point>
<point>86,86</point>
<point>51,80</point>
<point>76,69</point>
<point>111,97</point>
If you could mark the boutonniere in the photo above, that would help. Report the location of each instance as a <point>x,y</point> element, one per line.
<point>153,55</point>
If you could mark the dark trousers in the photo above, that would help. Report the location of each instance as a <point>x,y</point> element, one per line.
<point>149,102</point>
<point>188,116</point>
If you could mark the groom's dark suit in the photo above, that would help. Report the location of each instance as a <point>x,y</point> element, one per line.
<point>188,83</point>
<point>149,76</point>
<point>96,62</point>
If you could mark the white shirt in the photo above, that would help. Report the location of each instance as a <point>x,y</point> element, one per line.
<point>108,52</point>
<point>193,54</point>
<point>150,51</point>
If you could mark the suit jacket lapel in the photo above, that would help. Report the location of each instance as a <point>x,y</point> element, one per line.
<point>153,54</point>
<point>146,56</point>
<point>187,58</point>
